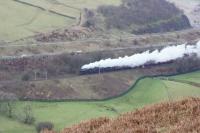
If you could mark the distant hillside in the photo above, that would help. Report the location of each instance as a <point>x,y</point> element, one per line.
<point>191,9</point>
<point>131,16</point>
<point>140,16</point>
<point>23,18</point>
<point>182,117</point>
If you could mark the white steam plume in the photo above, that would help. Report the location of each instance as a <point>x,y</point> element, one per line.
<point>166,54</point>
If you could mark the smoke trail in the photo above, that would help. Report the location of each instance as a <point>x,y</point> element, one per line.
<point>166,54</point>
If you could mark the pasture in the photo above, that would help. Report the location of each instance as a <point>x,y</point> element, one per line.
<point>147,91</point>
<point>24,18</point>
<point>18,21</point>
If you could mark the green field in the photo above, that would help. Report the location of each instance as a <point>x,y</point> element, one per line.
<point>19,20</point>
<point>9,126</point>
<point>147,91</point>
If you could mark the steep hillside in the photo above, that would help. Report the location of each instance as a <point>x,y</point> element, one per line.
<point>182,116</point>
<point>191,9</point>
<point>143,16</point>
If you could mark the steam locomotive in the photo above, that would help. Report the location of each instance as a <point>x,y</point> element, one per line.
<point>99,70</point>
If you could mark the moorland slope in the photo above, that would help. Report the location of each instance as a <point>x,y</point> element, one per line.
<point>181,116</point>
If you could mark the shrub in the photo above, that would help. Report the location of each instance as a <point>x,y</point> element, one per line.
<point>7,103</point>
<point>187,64</point>
<point>25,77</point>
<point>26,116</point>
<point>44,125</point>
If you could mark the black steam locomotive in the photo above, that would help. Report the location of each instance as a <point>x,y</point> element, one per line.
<point>99,70</point>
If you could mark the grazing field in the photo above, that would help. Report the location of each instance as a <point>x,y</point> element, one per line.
<point>19,20</point>
<point>193,77</point>
<point>147,91</point>
<point>15,23</point>
<point>89,3</point>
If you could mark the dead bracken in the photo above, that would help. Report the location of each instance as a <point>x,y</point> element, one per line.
<point>182,116</point>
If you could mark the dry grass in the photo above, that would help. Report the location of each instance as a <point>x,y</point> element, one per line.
<point>182,116</point>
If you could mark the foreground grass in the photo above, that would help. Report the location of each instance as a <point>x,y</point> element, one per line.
<point>147,91</point>
<point>11,126</point>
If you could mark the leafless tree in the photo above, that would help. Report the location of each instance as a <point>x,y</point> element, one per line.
<point>7,103</point>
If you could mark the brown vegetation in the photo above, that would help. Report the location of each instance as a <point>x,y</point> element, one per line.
<point>71,34</point>
<point>83,87</point>
<point>67,64</point>
<point>60,85</point>
<point>182,116</point>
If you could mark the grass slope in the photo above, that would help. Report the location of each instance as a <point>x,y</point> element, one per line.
<point>19,20</point>
<point>181,116</point>
<point>147,91</point>
<point>92,4</point>
<point>193,77</point>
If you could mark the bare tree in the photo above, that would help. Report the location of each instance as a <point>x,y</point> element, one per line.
<point>7,103</point>
<point>28,115</point>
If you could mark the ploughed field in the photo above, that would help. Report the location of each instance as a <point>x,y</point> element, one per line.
<point>147,91</point>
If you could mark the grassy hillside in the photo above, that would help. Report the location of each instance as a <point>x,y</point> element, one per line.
<point>20,20</point>
<point>147,91</point>
<point>91,4</point>
<point>23,18</point>
<point>166,117</point>
<point>193,77</point>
